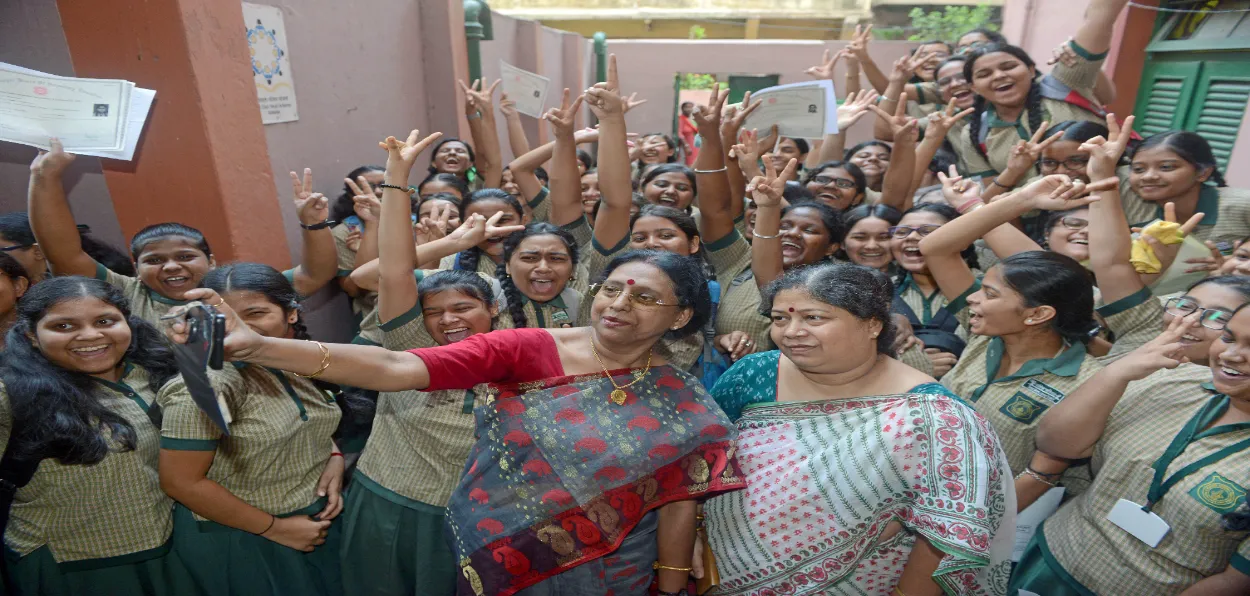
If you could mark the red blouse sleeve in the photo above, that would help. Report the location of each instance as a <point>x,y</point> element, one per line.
<point>504,356</point>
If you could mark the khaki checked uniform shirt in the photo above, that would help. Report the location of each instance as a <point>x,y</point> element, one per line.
<point>739,308</point>
<point>1108,560</point>
<point>420,440</point>
<point>1003,136</point>
<point>1016,403</point>
<point>144,303</point>
<point>365,305</point>
<point>113,508</point>
<point>280,429</point>
<point>1135,320</point>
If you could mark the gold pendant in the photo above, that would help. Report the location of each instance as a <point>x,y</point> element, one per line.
<point>618,397</point>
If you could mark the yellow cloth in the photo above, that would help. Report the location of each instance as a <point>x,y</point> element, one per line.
<point>1143,256</point>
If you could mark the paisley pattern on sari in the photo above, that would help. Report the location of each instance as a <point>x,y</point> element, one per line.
<point>560,474</point>
<point>826,478</point>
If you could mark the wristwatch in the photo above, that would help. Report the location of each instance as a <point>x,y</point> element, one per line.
<point>318,226</point>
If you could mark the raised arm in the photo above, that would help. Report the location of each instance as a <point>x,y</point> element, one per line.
<point>731,126</point>
<point>480,110</point>
<point>1021,163</point>
<point>940,124</point>
<point>1073,426</point>
<point>517,141</point>
<point>850,112</point>
<point>566,186</point>
<point>766,260</point>
<point>397,253</point>
<point>320,262</point>
<point>615,186</point>
<point>715,200</point>
<point>1110,242</point>
<point>1100,18</point>
<point>50,216</point>
<point>368,208</point>
<point>897,182</point>
<point>894,95</point>
<point>1005,239</point>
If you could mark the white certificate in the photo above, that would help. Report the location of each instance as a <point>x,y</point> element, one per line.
<point>800,110</point>
<point>1029,520</point>
<point>86,114</point>
<point>527,89</point>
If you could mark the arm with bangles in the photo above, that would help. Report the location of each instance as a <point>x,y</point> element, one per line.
<point>1023,157</point>
<point>1004,239</point>
<point>715,199</point>
<point>766,257</point>
<point>675,541</point>
<point>397,254</point>
<point>895,94</point>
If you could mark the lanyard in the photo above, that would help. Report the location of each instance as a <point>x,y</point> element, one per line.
<point>1208,414</point>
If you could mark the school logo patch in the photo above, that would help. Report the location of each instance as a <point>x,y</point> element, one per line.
<point>1022,408</point>
<point>1219,493</point>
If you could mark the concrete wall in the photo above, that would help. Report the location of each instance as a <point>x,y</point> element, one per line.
<point>31,36</point>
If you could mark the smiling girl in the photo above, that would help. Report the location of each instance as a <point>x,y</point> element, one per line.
<point>80,419</point>
<point>539,263</point>
<point>1012,102</point>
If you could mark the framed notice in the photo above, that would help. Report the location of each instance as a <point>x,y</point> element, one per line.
<point>271,64</point>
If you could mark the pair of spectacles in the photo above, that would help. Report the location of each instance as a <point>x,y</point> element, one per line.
<point>1211,318</point>
<point>643,299</point>
<point>1074,223</point>
<point>15,247</point>
<point>838,182</point>
<point>951,80</point>
<point>901,232</point>
<point>1076,162</point>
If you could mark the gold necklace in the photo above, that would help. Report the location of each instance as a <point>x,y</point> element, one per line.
<point>618,393</point>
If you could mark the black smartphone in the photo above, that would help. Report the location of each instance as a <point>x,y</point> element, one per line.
<point>206,332</point>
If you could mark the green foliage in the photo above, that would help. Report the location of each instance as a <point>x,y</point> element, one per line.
<point>950,23</point>
<point>697,32</point>
<point>697,81</point>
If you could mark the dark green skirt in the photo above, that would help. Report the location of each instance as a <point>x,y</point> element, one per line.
<point>1040,573</point>
<point>158,572</point>
<point>231,562</point>
<point>393,546</point>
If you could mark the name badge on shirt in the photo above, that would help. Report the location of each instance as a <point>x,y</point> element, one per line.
<point>1143,525</point>
<point>1043,391</point>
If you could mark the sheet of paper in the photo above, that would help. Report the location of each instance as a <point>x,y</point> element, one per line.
<point>800,110</point>
<point>86,114</point>
<point>140,106</point>
<point>1031,518</point>
<point>527,89</point>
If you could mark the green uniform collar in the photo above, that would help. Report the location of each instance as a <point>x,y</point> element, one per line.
<point>926,301</point>
<point>557,305</point>
<point>1066,364</point>
<point>993,121</point>
<point>1208,205</point>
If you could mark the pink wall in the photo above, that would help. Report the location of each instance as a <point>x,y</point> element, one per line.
<point>649,67</point>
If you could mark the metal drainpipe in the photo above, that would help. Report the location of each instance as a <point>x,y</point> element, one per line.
<point>477,28</point>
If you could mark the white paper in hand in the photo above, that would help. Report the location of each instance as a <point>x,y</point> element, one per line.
<point>799,110</point>
<point>527,89</point>
<point>86,114</point>
<point>1029,520</point>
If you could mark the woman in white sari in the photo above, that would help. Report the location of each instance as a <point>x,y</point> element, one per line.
<point>864,476</point>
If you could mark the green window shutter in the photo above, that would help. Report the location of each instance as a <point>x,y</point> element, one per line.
<point>1219,104</point>
<point>740,84</point>
<point>1167,90</point>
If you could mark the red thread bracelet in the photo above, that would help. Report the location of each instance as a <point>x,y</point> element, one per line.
<point>334,453</point>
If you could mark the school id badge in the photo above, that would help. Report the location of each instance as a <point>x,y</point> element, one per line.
<point>1143,525</point>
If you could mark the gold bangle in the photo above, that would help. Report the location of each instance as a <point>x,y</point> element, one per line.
<point>1038,477</point>
<point>657,566</point>
<point>325,362</point>
<point>898,592</point>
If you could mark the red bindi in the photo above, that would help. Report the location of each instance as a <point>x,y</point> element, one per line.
<point>629,281</point>
<point>791,309</point>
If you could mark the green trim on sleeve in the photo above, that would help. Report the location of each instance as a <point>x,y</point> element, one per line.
<point>961,302</point>
<point>1126,302</point>
<point>101,272</point>
<point>723,243</point>
<point>1084,53</point>
<point>538,198</point>
<point>173,444</point>
<point>343,273</point>
<point>607,252</point>
<point>1239,563</point>
<point>403,319</point>
<point>361,340</point>
<point>919,95</point>
<point>289,274</point>
<point>577,224</point>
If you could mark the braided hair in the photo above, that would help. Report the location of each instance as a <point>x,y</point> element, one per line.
<point>357,405</point>
<point>1032,102</point>
<point>468,260</point>
<point>516,300</point>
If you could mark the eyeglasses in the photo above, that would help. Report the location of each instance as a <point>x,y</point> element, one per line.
<point>901,232</point>
<point>1211,318</point>
<point>15,247</point>
<point>838,182</point>
<point>1074,223</point>
<point>951,80</point>
<point>1076,162</point>
<point>613,291</point>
